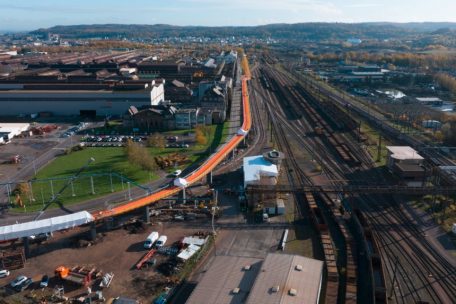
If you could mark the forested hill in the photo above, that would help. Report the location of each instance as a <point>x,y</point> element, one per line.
<point>304,31</point>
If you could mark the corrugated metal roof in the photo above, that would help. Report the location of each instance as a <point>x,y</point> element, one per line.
<point>223,276</point>
<point>279,270</point>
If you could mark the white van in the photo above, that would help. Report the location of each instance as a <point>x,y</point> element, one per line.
<point>161,241</point>
<point>151,240</point>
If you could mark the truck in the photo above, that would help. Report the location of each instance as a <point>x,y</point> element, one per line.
<point>151,240</point>
<point>161,241</point>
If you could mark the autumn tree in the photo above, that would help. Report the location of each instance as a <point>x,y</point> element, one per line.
<point>156,140</point>
<point>140,156</point>
<point>446,81</point>
<point>201,134</point>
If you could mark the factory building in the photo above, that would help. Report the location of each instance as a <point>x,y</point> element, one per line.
<point>79,102</point>
<point>277,279</point>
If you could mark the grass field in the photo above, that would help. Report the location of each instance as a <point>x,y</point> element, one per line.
<point>107,160</point>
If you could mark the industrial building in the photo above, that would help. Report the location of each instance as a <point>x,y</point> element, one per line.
<point>76,102</point>
<point>407,164</point>
<point>287,279</point>
<point>278,279</point>
<point>233,287</point>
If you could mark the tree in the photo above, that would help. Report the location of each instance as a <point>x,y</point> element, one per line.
<point>156,140</point>
<point>22,189</point>
<point>201,134</point>
<point>449,133</point>
<point>446,81</point>
<point>139,156</point>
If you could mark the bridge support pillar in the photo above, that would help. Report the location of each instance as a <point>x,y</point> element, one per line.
<point>209,178</point>
<point>25,241</point>
<point>93,232</point>
<point>147,214</point>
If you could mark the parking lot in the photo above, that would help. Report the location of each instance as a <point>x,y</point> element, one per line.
<point>121,140</point>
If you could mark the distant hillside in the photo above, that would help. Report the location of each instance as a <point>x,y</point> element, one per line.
<point>300,31</point>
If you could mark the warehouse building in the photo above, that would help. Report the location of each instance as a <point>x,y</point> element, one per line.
<point>88,103</point>
<point>278,279</point>
<point>233,287</point>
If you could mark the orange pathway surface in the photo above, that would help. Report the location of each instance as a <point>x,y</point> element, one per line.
<point>199,173</point>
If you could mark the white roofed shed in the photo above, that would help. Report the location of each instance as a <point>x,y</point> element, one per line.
<point>45,226</point>
<point>256,167</point>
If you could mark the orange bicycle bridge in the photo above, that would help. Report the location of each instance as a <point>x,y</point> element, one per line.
<point>196,175</point>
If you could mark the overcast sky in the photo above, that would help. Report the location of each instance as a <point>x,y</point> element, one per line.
<point>33,14</point>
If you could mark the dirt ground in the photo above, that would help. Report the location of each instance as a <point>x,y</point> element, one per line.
<point>118,252</point>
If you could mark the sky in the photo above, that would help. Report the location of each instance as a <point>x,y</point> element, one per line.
<point>23,15</point>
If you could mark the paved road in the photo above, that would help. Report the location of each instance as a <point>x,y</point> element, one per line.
<point>28,170</point>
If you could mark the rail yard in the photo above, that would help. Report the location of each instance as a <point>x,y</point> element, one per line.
<point>402,265</point>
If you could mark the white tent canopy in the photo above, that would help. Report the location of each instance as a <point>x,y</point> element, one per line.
<point>45,226</point>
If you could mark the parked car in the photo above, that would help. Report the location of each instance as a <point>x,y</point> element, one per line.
<point>177,173</point>
<point>4,273</point>
<point>44,281</point>
<point>161,241</point>
<point>24,285</point>
<point>18,281</point>
<point>41,237</point>
<point>151,240</point>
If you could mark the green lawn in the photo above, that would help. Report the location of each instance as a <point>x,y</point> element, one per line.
<point>107,160</point>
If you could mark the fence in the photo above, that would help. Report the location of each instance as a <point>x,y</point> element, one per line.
<point>34,194</point>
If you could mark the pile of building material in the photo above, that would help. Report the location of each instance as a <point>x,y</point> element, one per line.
<point>171,160</point>
<point>79,275</point>
<point>12,259</point>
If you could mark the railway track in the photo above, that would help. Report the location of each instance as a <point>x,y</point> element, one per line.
<point>419,258</point>
<point>344,282</point>
<point>422,273</point>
